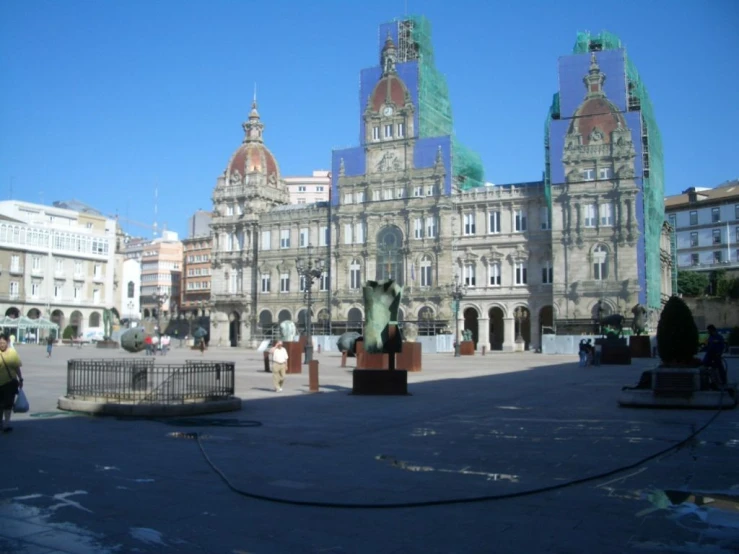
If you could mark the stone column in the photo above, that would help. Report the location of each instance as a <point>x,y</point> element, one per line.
<point>509,329</point>
<point>483,334</point>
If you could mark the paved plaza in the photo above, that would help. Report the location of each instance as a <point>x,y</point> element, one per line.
<point>484,428</point>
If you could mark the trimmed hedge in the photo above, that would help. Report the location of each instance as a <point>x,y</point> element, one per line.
<point>677,335</point>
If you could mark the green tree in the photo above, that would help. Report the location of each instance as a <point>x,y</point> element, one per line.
<point>677,335</point>
<point>692,283</point>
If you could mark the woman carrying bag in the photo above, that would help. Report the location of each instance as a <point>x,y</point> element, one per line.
<point>11,380</point>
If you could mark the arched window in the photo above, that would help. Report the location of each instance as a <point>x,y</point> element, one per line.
<point>130,289</point>
<point>389,255</point>
<point>426,276</point>
<point>600,263</point>
<point>355,275</point>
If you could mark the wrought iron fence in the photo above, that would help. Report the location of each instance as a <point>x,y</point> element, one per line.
<point>139,381</point>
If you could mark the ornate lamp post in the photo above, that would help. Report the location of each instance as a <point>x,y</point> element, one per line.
<point>520,315</point>
<point>458,291</point>
<point>310,270</point>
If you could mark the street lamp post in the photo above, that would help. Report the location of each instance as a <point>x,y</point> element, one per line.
<point>458,291</point>
<point>310,270</point>
<point>520,314</point>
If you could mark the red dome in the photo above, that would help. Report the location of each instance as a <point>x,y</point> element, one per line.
<point>388,87</point>
<point>600,113</point>
<point>253,157</point>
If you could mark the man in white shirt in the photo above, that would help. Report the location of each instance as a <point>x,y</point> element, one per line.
<point>279,365</point>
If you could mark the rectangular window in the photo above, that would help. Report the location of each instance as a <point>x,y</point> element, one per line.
<point>718,256</point>
<point>302,188</point>
<point>348,198</point>
<point>266,240</point>
<point>324,281</point>
<point>401,130</point>
<point>546,219</point>
<point>229,209</point>
<point>606,214</point>
<point>284,238</point>
<point>694,218</point>
<point>694,260</point>
<point>303,237</point>
<point>359,233</point>
<point>360,197</point>
<point>520,271</point>
<point>431,227</point>
<point>375,195</point>
<point>284,282</point>
<point>59,263</point>
<point>400,193</point>
<point>736,235</point>
<point>736,211</point>
<point>36,263</point>
<point>15,263</point>
<point>469,224</point>
<point>323,236</point>
<point>715,215</point>
<point>590,215</point>
<point>605,173</point>
<point>57,290</point>
<point>388,131</point>
<point>425,273</point>
<point>77,292</point>
<point>694,238</point>
<point>265,282</point>
<point>494,222</point>
<point>716,236</point>
<point>355,278</point>
<point>97,271</point>
<point>547,273</point>
<point>469,275</point>
<point>387,194</point>
<point>35,289</point>
<point>519,221</point>
<point>375,133</point>
<point>588,174</point>
<point>418,228</point>
<point>417,191</point>
<point>430,190</point>
<point>96,296</point>
<point>494,272</point>
<point>14,290</point>
<point>348,239</point>
<point>301,200</point>
<point>673,221</point>
<point>302,287</point>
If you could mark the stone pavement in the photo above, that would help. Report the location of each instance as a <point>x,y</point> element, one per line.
<point>473,427</point>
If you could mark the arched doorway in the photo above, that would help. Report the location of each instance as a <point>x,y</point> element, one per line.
<point>95,319</point>
<point>147,313</point>
<point>546,320</point>
<point>496,328</point>
<point>522,325</point>
<point>284,315</point>
<point>234,328</point>
<point>303,321</point>
<point>321,325</point>
<point>470,322</point>
<point>13,312</point>
<point>265,323</point>
<point>390,255</point>
<point>426,321</point>
<point>75,322</point>
<point>57,316</point>
<point>355,320</point>
<point>34,313</point>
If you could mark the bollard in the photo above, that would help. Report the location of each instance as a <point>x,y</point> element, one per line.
<point>343,359</point>
<point>313,376</point>
<point>266,363</point>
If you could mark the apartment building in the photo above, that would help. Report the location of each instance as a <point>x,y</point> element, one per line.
<point>196,274</point>
<point>309,189</point>
<point>56,263</point>
<point>161,271</point>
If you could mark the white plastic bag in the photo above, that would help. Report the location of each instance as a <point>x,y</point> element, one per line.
<point>21,405</point>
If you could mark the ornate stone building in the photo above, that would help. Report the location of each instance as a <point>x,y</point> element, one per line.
<point>409,204</point>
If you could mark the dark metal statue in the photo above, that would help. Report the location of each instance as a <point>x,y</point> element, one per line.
<point>639,324</point>
<point>615,322</point>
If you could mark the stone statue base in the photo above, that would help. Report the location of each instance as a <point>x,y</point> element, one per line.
<point>467,348</point>
<point>615,351</point>
<point>294,356</point>
<point>640,346</point>
<point>380,382</point>
<point>408,359</point>
<point>108,344</point>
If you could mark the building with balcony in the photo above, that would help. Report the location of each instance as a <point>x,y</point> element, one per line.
<point>309,189</point>
<point>161,271</point>
<point>56,263</point>
<point>706,224</point>
<point>196,274</point>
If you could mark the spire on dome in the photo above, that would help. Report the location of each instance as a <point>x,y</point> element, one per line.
<point>253,128</point>
<point>594,79</point>
<point>389,56</point>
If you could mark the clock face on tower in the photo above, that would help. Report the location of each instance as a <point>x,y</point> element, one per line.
<point>388,111</point>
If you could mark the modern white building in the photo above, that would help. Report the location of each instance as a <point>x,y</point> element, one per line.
<point>706,223</point>
<point>128,301</point>
<point>56,263</point>
<point>309,189</point>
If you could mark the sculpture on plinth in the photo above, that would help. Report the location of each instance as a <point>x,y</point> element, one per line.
<point>288,331</point>
<point>381,303</point>
<point>639,324</point>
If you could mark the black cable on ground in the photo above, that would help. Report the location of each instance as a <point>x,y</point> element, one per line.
<point>428,503</point>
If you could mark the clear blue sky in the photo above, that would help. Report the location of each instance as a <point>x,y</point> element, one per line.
<point>101,101</point>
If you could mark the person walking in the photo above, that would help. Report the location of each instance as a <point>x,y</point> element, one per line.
<point>49,345</point>
<point>279,367</point>
<point>11,380</point>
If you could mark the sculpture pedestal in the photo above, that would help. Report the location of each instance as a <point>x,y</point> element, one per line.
<point>380,382</point>
<point>640,346</point>
<point>410,357</point>
<point>294,356</point>
<point>615,351</point>
<point>467,348</point>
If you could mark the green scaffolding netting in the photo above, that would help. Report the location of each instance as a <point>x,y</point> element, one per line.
<point>435,109</point>
<point>652,159</point>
